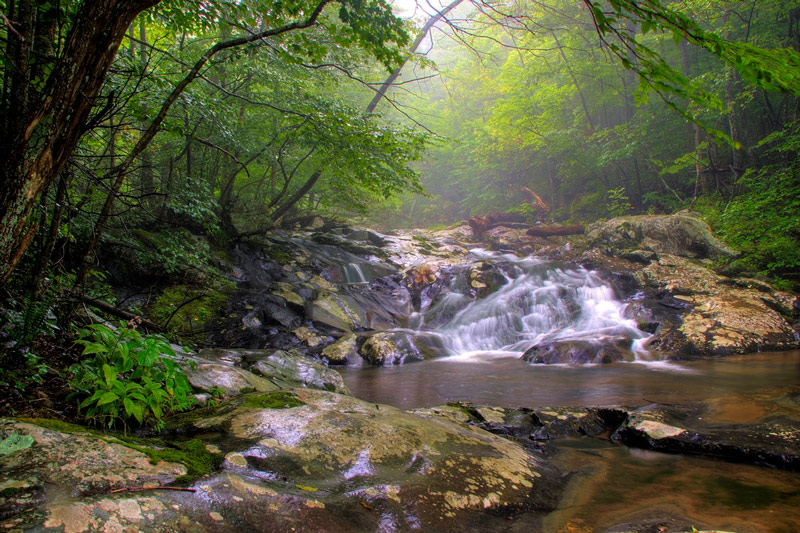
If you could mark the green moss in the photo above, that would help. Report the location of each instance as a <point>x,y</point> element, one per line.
<point>279,254</point>
<point>246,390</point>
<point>468,410</point>
<point>11,491</point>
<point>58,425</point>
<point>273,400</point>
<point>189,309</point>
<point>193,454</point>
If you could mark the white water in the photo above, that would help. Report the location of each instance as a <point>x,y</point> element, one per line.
<point>540,303</point>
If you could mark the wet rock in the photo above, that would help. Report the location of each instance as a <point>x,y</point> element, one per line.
<point>773,441</point>
<point>716,318</point>
<point>412,469</point>
<point>63,464</point>
<point>274,369</point>
<point>580,352</point>
<point>291,369</point>
<point>214,377</point>
<point>680,234</point>
<point>385,349</point>
<point>287,292</point>
<point>565,422</point>
<point>337,310</point>
<point>316,461</point>
<point>307,336</point>
<point>484,278</point>
<point>340,351</point>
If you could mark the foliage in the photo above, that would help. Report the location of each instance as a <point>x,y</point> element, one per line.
<point>183,310</point>
<point>618,203</point>
<point>763,221</point>
<point>20,364</point>
<point>168,252</point>
<point>130,376</point>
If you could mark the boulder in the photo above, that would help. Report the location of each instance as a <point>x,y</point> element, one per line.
<point>717,317</point>
<point>270,370</point>
<point>580,352</point>
<point>70,462</point>
<point>215,377</point>
<point>340,351</point>
<point>681,234</point>
<point>318,461</point>
<point>337,310</point>
<point>772,440</point>
<point>386,349</point>
<point>292,369</point>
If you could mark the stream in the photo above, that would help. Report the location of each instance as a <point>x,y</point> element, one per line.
<point>540,303</point>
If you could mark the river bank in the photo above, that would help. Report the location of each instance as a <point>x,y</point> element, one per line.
<point>526,384</point>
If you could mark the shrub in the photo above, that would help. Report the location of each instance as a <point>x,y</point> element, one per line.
<point>130,376</point>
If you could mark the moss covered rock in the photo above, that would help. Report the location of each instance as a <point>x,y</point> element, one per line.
<point>337,310</point>
<point>339,352</point>
<point>717,317</point>
<point>389,348</point>
<point>71,462</point>
<point>680,234</point>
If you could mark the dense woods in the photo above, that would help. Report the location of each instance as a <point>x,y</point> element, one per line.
<point>142,139</point>
<point>628,121</point>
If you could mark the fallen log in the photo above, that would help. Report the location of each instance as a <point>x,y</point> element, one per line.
<point>551,231</point>
<point>480,225</point>
<point>111,310</point>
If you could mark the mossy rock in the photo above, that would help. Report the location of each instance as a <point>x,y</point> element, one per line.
<point>337,310</point>
<point>272,400</point>
<point>189,309</point>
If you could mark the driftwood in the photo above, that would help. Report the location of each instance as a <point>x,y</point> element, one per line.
<point>480,225</point>
<point>550,231</point>
<point>542,209</point>
<point>111,310</point>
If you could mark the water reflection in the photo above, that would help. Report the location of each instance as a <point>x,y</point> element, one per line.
<point>503,379</point>
<point>613,485</point>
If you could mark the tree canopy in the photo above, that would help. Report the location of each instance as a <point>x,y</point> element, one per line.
<point>227,117</point>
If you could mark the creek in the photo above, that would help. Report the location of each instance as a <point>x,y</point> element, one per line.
<point>543,303</point>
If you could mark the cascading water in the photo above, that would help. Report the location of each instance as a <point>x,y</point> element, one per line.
<point>540,305</point>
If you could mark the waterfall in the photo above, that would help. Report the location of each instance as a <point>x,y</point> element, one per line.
<point>354,273</point>
<point>540,304</point>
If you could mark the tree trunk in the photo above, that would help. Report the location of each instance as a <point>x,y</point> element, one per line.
<point>551,231</point>
<point>436,17</point>
<point>42,129</point>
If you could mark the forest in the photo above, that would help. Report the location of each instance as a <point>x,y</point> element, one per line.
<point>203,174</point>
<point>230,118</point>
<point>233,118</point>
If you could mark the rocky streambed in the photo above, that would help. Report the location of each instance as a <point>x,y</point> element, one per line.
<point>280,445</point>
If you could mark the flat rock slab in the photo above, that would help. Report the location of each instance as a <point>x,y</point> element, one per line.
<point>320,461</point>
<point>771,441</point>
<point>61,465</point>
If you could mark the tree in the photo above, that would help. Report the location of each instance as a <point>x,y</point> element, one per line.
<point>50,89</point>
<point>49,92</point>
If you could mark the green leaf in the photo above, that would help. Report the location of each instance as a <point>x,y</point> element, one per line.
<point>129,406</point>
<point>109,374</point>
<point>107,398</point>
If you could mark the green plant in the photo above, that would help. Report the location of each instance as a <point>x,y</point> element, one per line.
<point>130,376</point>
<point>618,203</point>
<point>19,365</point>
<point>526,210</point>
